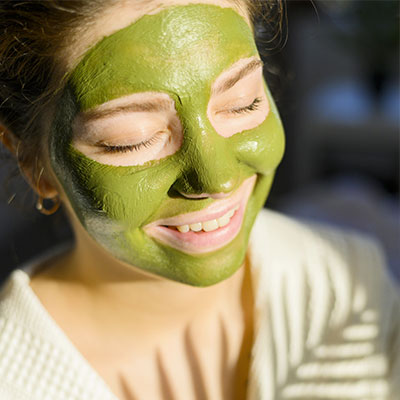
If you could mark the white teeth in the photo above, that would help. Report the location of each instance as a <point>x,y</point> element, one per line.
<point>209,226</point>
<point>183,228</point>
<point>229,214</point>
<point>196,227</point>
<point>224,220</point>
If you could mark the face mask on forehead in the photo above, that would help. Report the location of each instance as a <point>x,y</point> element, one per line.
<point>225,144</point>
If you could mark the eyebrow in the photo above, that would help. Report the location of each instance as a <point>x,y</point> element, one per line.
<point>231,81</point>
<point>147,106</point>
<point>164,105</point>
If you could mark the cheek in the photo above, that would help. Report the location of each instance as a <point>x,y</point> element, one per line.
<point>126,195</point>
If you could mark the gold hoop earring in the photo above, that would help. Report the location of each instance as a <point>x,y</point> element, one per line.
<point>48,211</point>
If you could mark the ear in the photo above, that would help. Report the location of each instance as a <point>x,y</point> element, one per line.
<point>34,169</point>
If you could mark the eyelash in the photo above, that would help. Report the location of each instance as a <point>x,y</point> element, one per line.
<point>131,147</point>
<point>252,107</point>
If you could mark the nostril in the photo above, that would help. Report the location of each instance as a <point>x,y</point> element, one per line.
<point>213,182</point>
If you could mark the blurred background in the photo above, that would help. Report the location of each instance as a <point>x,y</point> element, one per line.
<point>335,77</point>
<point>340,104</point>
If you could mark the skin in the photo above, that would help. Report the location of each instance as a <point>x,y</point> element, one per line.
<point>209,156</point>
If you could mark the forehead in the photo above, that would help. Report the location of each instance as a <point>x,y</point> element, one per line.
<point>179,50</point>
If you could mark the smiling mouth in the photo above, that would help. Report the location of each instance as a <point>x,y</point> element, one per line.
<point>208,229</point>
<point>207,226</point>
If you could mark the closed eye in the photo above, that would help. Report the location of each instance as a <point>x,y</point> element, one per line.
<point>107,148</point>
<point>246,109</point>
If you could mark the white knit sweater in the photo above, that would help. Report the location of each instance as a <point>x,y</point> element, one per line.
<point>327,325</point>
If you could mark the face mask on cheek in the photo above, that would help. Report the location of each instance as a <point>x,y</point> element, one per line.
<point>180,52</point>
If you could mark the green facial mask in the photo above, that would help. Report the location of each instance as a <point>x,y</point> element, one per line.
<point>179,51</point>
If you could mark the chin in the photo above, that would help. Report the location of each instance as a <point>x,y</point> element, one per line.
<point>142,252</point>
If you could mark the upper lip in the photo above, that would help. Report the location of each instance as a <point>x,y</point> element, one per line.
<point>214,211</point>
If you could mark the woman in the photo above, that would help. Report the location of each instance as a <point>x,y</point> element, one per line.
<point>157,133</point>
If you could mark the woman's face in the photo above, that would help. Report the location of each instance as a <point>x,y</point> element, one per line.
<point>166,141</point>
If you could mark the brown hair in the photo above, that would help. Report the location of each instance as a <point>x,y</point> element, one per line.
<point>32,34</point>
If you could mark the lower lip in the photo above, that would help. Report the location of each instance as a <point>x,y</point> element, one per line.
<point>201,242</point>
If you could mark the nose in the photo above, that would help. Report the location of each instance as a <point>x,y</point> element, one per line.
<point>209,167</point>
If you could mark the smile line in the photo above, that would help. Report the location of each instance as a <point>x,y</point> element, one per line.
<point>216,210</point>
<point>207,235</point>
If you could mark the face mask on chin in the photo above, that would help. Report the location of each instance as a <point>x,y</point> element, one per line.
<point>165,127</point>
